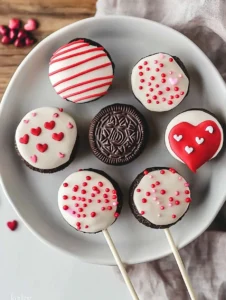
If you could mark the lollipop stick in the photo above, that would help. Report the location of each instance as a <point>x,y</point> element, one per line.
<point>120,264</point>
<point>180,264</point>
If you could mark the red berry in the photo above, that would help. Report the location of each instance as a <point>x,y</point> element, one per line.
<point>31,25</point>
<point>3,30</point>
<point>29,41</point>
<point>6,40</point>
<point>18,43</point>
<point>22,34</point>
<point>14,24</point>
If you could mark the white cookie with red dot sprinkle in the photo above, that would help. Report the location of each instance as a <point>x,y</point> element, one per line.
<point>160,82</point>
<point>89,200</point>
<point>45,139</point>
<point>159,197</point>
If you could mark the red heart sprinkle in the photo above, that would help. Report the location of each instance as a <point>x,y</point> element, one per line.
<point>22,34</point>
<point>34,158</point>
<point>5,40</point>
<point>61,155</point>
<point>56,115</point>
<point>42,147</point>
<point>29,41</point>
<point>31,25</point>
<point>58,136</point>
<point>60,109</point>
<point>18,43</point>
<point>13,34</point>
<point>12,225</point>
<point>49,125</point>
<point>3,30</point>
<point>14,24</point>
<point>36,131</point>
<point>24,139</point>
<point>69,125</point>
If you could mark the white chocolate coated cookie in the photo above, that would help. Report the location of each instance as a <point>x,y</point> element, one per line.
<point>159,82</point>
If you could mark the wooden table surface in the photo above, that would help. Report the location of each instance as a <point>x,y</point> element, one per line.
<point>51,14</point>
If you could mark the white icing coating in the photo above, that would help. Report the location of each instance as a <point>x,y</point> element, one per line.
<point>79,211</point>
<point>158,98</point>
<point>156,207</point>
<point>79,85</point>
<point>193,117</point>
<point>57,152</point>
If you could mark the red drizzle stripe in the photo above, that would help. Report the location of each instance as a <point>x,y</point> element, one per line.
<point>77,64</point>
<point>90,96</point>
<point>69,50</point>
<point>69,44</point>
<point>85,82</point>
<point>82,73</point>
<point>88,89</point>
<point>76,54</point>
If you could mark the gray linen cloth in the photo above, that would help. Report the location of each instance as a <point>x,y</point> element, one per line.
<point>204,22</point>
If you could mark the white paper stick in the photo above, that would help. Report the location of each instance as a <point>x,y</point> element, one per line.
<point>120,264</point>
<point>180,263</point>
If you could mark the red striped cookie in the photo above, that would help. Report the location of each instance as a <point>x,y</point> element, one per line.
<point>81,71</point>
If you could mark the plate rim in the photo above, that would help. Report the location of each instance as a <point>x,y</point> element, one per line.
<point>100,261</point>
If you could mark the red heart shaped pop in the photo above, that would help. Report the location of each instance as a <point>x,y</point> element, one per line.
<point>42,147</point>
<point>195,145</point>
<point>36,131</point>
<point>24,139</point>
<point>58,136</point>
<point>12,225</point>
<point>49,125</point>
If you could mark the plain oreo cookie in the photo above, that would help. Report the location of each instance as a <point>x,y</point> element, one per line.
<point>117,134</point>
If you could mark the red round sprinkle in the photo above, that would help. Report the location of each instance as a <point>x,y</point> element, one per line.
<point>105,195</point>
<point>78,224</point>
<point>106,201</point>
<point>84,215</point>
<point>151,89</point>
<point>78,215</point>
<point>83,191</point>
<point>157,85</point>
<point>80,209</point>
<point>145,62</point>
<point>144,200</point>
<point>172,170</point>
<point>177,202</point>
<point>109,207</point>
<point>162,207</point>
<point>92,195</point>
<point>76,204</point>
<point>65,207</point>
<point>163,80</point>
<point>142,80</point>
<point>141,73</point>
<point>142,212</point>
<point>88,178</point>
<point>161,65</point>
<point>170,102</point>
<point>163,99</point>
<point>167,88</point>
<point>84,183</point>
<point>65,184</point>
<point>84,205</point>
<point>153,185</point>
<point>162,172</point>
<point>100,183</point>
<point>152,77</point>
<point>148,101</point>
<point>154,97</point>
<point>148,69</point>
<point>89,200</point>
<point>177,96</point>
<point>188,200</point>
<point>157,102</point>
<point>94,188</point>
<point>171,199</point>
<point>157,183</point>
<point>73,197</point>
<point>187,192</point>
<point>147,95</point>
<point>138,190</point>
<point>140,67</point>
<point>174,216</point>
<point>145,172</point>
<point>148,193</point>
<point>102,208</point>
<point>93,214</point>
<point>79,198</point>
<point>73,212</point>
<point>157,69</point>
<point>160,92</point>
<point>65,197</point>
<point>86,226</point>
<point>99,201</point>
<point>170,59</point>
<point>83,199</point>
<point>114,192</point>
<point>75,188</point>
<point>171,97</point>
<point>176,88</point>
<point>149,83</point>
<point>116,215</point>
<point>162,192</point>
<point>182,93</point>
<point>107,190</point>
<point>140,87</point>
<point>163,75</point>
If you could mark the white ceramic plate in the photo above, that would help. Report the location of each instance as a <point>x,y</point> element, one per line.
<point>34,195</point>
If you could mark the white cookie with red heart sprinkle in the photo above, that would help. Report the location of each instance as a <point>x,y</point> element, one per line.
<point>45,139</point>
<point>194,137</point>
<point>159,82</point>
<point>89,200</point>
